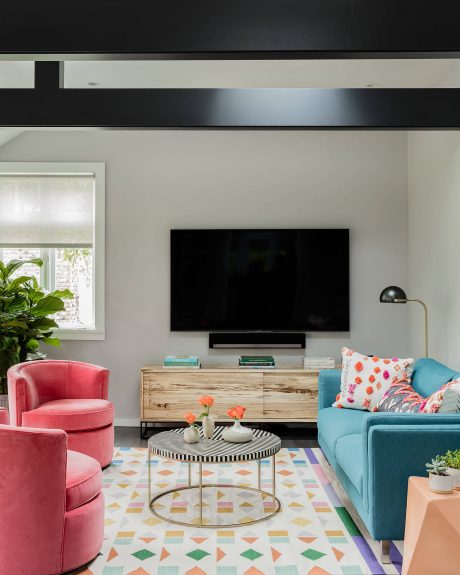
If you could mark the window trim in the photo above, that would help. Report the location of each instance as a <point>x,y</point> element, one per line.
<point>77,168</point>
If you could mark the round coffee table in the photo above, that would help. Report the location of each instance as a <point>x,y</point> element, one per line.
<point>171,445</point>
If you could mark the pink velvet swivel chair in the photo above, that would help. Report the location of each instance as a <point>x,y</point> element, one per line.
<point>67,395</point>
<point>51,504</point>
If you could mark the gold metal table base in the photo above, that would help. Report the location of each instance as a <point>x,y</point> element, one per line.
<point>200,522</point>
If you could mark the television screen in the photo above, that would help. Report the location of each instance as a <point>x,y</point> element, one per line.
<point>268,280</point>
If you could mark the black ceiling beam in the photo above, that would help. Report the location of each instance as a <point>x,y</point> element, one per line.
<point>231,28</point>
<point>48,105</point>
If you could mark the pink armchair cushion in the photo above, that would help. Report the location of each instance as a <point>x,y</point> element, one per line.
<point>71,414</point>
<point>83,479</point>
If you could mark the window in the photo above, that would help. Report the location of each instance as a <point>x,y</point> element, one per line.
<point>56,212</point>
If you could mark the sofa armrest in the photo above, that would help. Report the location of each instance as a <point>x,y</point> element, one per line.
<point>328,387</point>
<point>394,453</point>
<point>421,419</point>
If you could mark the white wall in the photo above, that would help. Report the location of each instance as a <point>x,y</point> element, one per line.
<point>157,180</point>
<point>434,242</point>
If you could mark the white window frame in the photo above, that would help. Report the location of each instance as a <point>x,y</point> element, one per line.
<point>77,168</point>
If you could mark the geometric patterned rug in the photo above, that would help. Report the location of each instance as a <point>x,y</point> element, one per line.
<point>312,535</point>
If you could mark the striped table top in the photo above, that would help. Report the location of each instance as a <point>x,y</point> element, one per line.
<point>171,445</point>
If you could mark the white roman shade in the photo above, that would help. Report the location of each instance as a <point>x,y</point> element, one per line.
<point>47,210</point>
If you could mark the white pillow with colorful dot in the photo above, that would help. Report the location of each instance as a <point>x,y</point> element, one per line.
<point>365,379</point>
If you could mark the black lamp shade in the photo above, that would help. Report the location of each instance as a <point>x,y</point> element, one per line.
<point>393,294</point>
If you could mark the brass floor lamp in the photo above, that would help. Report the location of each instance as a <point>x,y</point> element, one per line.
<point>395,294</point>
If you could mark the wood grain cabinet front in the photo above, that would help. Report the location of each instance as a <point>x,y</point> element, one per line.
<point>282,394</point>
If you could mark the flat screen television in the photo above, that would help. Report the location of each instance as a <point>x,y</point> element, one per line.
<point>260,280</point>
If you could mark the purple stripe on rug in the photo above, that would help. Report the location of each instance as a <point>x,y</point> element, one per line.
<point>368,555</point>
<point>311,456</point>
<point>396,557</point>
<point>333,497</point>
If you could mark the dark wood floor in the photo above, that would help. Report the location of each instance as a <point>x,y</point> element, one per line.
<point>291,435</point>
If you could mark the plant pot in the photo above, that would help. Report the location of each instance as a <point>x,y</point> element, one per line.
<point>191,435</point>
<point>4,400</point>
<point>209,425</point>
<point>440,483</point>
<point>455,474</point>
<point>237,433</point>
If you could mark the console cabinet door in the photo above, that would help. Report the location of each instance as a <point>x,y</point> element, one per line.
<point>168,395</point>
<point>291,396</point>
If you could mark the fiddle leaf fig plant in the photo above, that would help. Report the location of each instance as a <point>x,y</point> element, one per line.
<point>25,308</point>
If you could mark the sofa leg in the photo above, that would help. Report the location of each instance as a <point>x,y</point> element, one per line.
<point>385,551</point>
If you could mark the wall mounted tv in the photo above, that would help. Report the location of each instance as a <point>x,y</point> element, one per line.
<point>260,280</point>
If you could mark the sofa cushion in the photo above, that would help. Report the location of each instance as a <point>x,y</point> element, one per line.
<point>401,398</point>
<point>335,423</point>
<point>429,375</point>
<point>366,378</point>
<point>444,400</point>
<point>83,480</point>
<point>70,414</point>
<point>349,455</point>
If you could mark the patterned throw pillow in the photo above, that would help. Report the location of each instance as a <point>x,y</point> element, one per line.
<point>365,379</point>
<point>445,400</point>
<point>401,398</point>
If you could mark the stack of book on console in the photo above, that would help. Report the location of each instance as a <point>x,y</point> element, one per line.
<point>317,363</point>
<point>182,361</point>
<point>257,361</point>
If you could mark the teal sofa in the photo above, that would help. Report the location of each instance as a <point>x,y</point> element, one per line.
<point>373,454</point>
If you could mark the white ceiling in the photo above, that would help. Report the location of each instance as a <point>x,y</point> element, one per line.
<point>246,74</point>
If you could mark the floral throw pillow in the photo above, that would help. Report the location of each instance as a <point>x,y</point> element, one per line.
<point>365,379</point>
<point>445,400</point>
<point>401,398</point>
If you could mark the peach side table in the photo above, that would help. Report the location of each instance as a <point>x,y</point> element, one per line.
<point>432,537</point>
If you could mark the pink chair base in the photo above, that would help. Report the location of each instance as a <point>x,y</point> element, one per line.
<point>97,443</point>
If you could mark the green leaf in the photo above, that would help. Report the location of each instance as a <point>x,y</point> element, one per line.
<point>64,294</point>
<point>47,306</point>
<point>14,265</point>
<point>17,282</point>
<point>52,341</point>
<point>19,303</point>
<point>32,344</point>
<point>43,323</point>
<point>21,324</point>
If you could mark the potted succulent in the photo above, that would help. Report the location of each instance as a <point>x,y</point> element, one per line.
<point>452,460</point>
<point>440,481</point>
<point>191,434</point>
<point>236,433</point>
<point>25,308</point>
<point>207,420</point>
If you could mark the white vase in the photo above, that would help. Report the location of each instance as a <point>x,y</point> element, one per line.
<point>455,474</point>
<point>209,425</point>
<point>191,435</point>
<point>237,433</point>
<point>440,483</point>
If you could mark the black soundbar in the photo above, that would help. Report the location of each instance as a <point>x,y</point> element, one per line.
<point>263,339</point>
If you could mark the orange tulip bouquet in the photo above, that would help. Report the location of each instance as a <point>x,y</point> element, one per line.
<point>236,433</point>
<point>208,422</point>
<point>191,434</point>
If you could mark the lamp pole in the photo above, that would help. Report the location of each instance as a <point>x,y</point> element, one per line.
<point>426,318</point>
